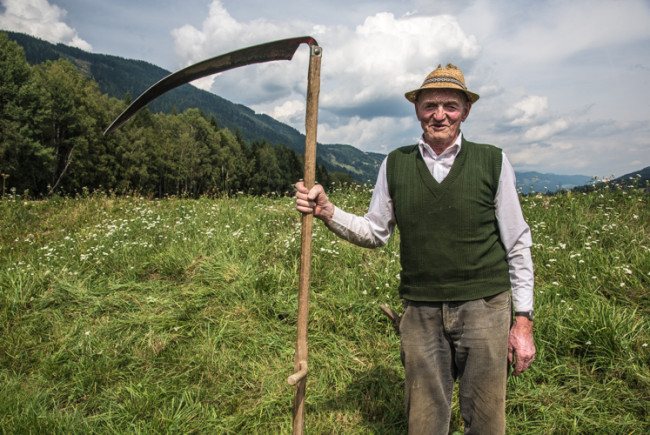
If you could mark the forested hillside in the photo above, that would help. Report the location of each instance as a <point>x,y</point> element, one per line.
<point>118,77</point>
<point>122,79</point>
<point>52,119</point>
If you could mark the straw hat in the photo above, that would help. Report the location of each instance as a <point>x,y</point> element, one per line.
<point>449,77</point>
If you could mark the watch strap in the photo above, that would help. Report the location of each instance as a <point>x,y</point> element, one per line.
<point>530,315</point>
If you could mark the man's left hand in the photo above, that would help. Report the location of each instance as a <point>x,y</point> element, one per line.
<point>521,347</point>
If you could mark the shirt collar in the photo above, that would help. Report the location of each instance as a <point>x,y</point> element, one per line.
<point>451,151</point>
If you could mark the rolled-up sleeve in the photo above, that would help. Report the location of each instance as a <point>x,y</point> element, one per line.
<point>376,226</point>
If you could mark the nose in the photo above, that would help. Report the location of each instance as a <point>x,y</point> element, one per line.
<point>438,114</point>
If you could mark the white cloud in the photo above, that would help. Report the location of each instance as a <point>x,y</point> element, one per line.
<point>533,115</point>
<point>387,56</point>
<point>365,70</point>
<point>614,149</point>
<point>552,155</point>
<point>220,33</point>
<point>290,112</point>
<point>528,110</point>
<point>41,19</point>
<point>489,90</point>
<point>376,134</point>
<point>554,30</point>
<point>545,131</point>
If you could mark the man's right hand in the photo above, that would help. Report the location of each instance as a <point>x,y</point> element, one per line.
<point>314,201</point>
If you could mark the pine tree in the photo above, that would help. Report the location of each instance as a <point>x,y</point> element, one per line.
<point>22,158</point>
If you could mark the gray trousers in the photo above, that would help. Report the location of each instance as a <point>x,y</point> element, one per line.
<point>445,341</point>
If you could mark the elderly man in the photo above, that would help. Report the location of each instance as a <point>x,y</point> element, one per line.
<point>465,257</point>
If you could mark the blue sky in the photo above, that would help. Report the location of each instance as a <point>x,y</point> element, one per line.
<point>564,85</point>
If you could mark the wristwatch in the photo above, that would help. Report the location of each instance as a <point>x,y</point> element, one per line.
<point>530,315</point>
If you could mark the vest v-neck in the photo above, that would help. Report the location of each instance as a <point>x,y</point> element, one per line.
<point>435,187</point>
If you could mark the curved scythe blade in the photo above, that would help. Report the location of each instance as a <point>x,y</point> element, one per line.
<point>277,50</point>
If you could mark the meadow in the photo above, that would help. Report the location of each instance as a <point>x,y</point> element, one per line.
<point>123,314</point>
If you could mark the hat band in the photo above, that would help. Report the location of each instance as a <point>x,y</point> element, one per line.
<point>444,79</point>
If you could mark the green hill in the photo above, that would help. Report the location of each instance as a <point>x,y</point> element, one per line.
<point>637,177</point>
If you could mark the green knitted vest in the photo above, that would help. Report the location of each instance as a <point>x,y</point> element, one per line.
<point>449,238</point>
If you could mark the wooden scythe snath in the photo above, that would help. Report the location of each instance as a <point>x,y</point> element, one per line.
<point>299,378</point>
<point>271,51</point>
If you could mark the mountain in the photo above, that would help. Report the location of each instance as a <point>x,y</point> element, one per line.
<point>118,77</point>
<point>529,182</point>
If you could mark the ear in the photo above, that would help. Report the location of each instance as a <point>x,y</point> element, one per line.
<point>468,107</point>
<point>417,113</point>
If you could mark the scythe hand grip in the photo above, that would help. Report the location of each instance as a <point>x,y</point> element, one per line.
<point>294,378</point>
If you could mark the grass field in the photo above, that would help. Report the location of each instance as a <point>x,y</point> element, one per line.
<point>132,315</point>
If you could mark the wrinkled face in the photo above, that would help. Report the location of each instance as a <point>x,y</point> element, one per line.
<point>440,112</point>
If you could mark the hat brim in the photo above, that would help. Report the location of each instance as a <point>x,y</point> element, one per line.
<point>413,95</point>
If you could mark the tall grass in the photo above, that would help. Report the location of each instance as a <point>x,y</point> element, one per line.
<point>131,315</point>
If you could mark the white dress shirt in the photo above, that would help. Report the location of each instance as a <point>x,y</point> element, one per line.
<point>375,227</point>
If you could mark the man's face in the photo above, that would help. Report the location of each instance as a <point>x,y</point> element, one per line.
<point>440,112</point>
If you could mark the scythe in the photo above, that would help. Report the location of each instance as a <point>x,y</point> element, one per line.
<point>271,51</point>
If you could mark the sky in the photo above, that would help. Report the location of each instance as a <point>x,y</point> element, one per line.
<point>564,84</point>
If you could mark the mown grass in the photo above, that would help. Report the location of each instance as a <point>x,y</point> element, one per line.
<point>131,315</point>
